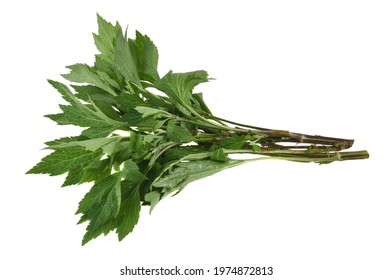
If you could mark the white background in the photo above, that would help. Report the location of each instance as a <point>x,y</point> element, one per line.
<point>318,67</point>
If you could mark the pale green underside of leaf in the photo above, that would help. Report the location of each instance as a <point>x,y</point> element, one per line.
<point>82,73</point>
<point>108,145</point>
<point>186,172</point>
<point>153,198</point>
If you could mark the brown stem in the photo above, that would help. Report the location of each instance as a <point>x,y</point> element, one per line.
<point>287,136</point>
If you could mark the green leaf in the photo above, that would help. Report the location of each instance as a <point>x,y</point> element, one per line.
<point>103,66</point>
<point>100,131</point>
<point>153,198</point>
<point>255,147</point>
<point>130,211</point>
<point>108,145</point>
<point>82,118</point>
<point>185,172</point>
<point>96,171</point>
<point>102,202</point>
<point>94,93</point>
<point>147,54</point>
<point>178,134</point>
<point>219,155</point>
<point>64,91</point>
<point>173,140</point>
<point>128,101</point>
<point>103,229</point>
<point>125,59</point>
<point>103,112</point>
<point>177,153</point>
<point>63,140</point>
<point>179,86</point>
<point>148,111</point>
<point>82,73</point>
<point>139,146</point>
<point>198,97</point>
<point>131,173</point>
<point>61,161</point>
<point>60,118</point>
<point>106,38</point>
<point>233,143</point>
<point>74,176</point>
<point>106,112</point>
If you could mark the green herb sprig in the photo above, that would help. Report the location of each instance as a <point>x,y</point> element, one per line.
<point>138,147</point>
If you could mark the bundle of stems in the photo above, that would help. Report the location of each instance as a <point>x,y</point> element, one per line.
<point>138,147</point>
<point>282,144</point>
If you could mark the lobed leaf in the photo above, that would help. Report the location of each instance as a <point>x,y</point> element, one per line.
<point>82,73</point>
<point>147,56</point>
<point>125,59</point>
<point>105,40</point>
<point>102,202</point>
<point>63,160</point>
<point>179,87</point>
<point>177,133</point>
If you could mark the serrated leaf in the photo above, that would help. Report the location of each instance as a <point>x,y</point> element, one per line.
<point>173,140</point>
<point>104,66</point>
<point>108,145</point>
<point>131,172</point>
<point>126,102</point>
<point>177,133</point>
<point>147,54</point>
<point>61,161</point>
<point>102,202</point>
<point>65,92</point>
<point>103,229</point>
<point>125,59</point>
<point>97,170</point>
<point>94,93</point>
<point>139,146</point>
<point>103,112</point>
<point>82,73</point>
<point>60,118</point>
<point>82,118</point>
<point>74,176</point>
<point>64,140</point>
<point>130,210</point>
<point>179,86</point>
<point>99,132</point>
<point>107,112</point>
<point>105,40</point>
